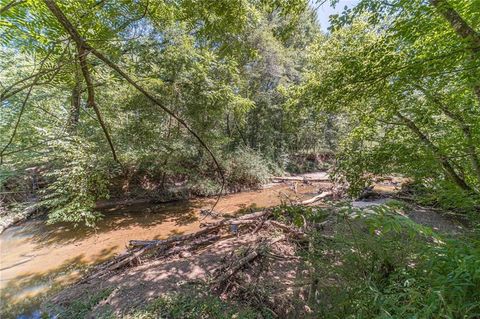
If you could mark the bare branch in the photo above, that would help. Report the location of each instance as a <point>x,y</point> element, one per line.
<point>82,56</point>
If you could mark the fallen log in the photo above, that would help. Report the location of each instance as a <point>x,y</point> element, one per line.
<point>11,219</point>
<point>127,260</point>
<point>230,222</point>
<point>166,252</point>
<point>237,220</point>
<point>300,179</point>
<point>173,239</point>
<point>317,198</point>
<point>194,245</point>
<point>242,262</point>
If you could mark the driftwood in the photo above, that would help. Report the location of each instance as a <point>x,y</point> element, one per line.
<point>300,179</point>
<point>262,222</point>
<point>192,246</point>
<point>237,220</point>
<point>173,239</point>
<point>176,245</point>
<point>242,262</point>
<point>10,220</point>
<point>317,198</point>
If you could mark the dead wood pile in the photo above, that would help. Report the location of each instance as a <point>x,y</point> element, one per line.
<point>184,245</point>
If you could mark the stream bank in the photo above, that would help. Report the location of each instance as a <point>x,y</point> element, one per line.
<point>41,259</point>
<point>37,258</point>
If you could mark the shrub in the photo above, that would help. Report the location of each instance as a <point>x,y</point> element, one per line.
<point>246,169</point>
<point>243,169</point>
<point>76,185</point>
<point>383,265</point>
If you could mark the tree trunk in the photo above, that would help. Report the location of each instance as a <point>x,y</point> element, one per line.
<point>442,159</point>
<point>463,30</point>
<point>75,107</point>
<point>467,133</point>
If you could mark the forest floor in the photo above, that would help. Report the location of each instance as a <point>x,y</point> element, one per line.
<point>273,279</point>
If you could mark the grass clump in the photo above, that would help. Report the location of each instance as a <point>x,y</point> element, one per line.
<point>80,309</point>
<point>195,306</point>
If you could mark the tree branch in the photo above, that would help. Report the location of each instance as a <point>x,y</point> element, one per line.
<point>9,5</point>
<point>82,56</point>
<point>461,27</point>
<point>56,11</point>
<point>463,30</point>
<point>467,133</point>
<point>442,159</point>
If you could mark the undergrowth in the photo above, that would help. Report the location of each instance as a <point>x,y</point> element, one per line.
<point>196,306</point>
<point>381,264</point>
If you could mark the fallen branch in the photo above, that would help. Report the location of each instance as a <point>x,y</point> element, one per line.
<point>317,198</point>
<point>237,220</point>
<point>9,220</point>
<point>179,238</point>
<point>301,179</point>
<point>241,263</point>
<point>262,222</point>
<point>190,247</point>
<point>128,259</point>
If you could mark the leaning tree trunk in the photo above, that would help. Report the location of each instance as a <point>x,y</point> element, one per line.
<point>441,158</point>
<point>464,31</point>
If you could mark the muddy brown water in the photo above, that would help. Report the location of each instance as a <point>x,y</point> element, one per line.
<point>35,257</point>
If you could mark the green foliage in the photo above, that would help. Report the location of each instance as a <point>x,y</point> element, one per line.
<point>383,265</point>
<point>402,83</point>
<point>222,67</point>
<point>76,184</point>
<point>246,169</point>
<point>298,215</point>
<point>194,306</point>
<point>446,196</point>
<point>309,162</point>
<point>242,169</point>
<point>79,309</point>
